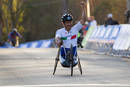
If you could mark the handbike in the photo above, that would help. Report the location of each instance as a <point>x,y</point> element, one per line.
<point>69,56</point>
<point>15,42</point>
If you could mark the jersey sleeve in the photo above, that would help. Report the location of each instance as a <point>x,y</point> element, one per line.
<point>78,26</point>
<point>18,34</point>
<point>58,34</point>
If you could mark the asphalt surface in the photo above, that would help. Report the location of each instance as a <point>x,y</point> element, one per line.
<point>34,68</point>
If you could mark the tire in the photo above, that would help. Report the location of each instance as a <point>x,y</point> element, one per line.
<point>13,43</point>
<point>79,65</point>
<point>56,61</point>
<point>71,70</point>
<point>71,60</point>
<point>55,66</point>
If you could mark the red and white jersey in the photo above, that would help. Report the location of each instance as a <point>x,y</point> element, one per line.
<point>69,37</point>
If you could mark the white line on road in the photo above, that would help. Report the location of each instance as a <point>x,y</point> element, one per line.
<point>72,85</point>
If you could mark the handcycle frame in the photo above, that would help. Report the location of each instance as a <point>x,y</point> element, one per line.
<point>15,42</point>
<point>70,56</point>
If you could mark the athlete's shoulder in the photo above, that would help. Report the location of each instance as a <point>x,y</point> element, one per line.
<point>10,33</point>
<point>60,30</point>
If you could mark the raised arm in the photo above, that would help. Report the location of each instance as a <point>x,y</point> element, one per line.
<point>19,35</point>
<point>83,12</point>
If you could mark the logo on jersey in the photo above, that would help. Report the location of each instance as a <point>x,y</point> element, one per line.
<point>65,38</point>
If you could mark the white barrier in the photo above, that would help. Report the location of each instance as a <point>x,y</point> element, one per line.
<point>114,39</point>
<point>37,44</point>
<point>123,40</point>
<point>103,34</point>
<point>34,44</point>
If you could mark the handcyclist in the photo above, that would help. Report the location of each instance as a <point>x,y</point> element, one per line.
<point>13,37</point>
<point>68,35</point>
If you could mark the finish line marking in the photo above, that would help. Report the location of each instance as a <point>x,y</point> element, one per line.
<point>72,85</point>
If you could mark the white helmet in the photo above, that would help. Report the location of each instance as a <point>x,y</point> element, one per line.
<point>15,29</point>
<point>109,15</point>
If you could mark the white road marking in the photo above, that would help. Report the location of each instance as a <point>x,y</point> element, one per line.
<point>37,57</point>
<point>72,85</point>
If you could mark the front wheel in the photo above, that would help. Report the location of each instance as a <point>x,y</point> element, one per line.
<point>71,70</point>
<point>79,65</point>
<point>13,43</point>
<point>71,60</point>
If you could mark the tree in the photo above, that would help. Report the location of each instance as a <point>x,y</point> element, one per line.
<point>12,12</point>
<point>39,19</point>
<point>103,7</point>
<point>43,18</point>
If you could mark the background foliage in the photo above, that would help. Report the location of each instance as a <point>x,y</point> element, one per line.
<point>103,7</point>
<point>39,19</point>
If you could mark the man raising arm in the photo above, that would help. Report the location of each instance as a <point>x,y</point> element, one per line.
<point>67,36</point>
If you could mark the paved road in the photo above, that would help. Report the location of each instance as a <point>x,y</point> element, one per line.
<point>34,67</point>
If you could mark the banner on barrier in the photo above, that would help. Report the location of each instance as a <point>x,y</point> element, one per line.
<point>37,44</point>
<point>118,35</point>
<point>88,34</point>
<point>102,34</point>
<point>123,40</point>
<point>34,44</point>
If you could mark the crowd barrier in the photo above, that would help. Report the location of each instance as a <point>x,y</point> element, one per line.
<point>113,39</point>
<point>104,34</point>
<point>34,44</point>
<point>38,44</point>
<point>88,34</point>
<point>123,40</point>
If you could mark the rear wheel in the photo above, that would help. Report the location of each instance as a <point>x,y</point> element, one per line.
<point>79,65</point>
<point>56,61</point>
